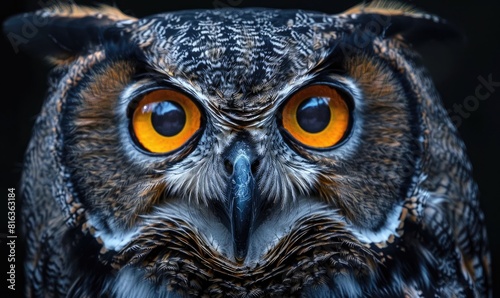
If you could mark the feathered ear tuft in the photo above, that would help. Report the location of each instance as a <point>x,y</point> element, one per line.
<point>397,20</point>
<point>60,32</point>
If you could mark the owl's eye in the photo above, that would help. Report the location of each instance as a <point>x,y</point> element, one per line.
<point>164,120</point>
<point>316,116</point>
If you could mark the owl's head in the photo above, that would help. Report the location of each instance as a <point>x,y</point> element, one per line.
<point>210,146</point>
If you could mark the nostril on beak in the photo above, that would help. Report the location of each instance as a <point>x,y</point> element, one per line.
<point>255,166</point>
<point>228,166</point>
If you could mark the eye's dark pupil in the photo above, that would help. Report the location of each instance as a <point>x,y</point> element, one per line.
<point>313,114</point>
<point>168,118</point>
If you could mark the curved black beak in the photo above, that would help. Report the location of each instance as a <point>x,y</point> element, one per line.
<point>241,207</point>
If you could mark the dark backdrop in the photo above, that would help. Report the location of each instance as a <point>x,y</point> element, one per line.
<point>455,69</point>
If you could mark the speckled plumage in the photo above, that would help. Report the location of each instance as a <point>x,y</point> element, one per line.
<point>392,211</point>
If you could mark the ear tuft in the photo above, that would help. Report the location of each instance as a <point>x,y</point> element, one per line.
<point>403,21</point>
<point>61,31</point>
<point>382,7</point>
<point>76,11</point>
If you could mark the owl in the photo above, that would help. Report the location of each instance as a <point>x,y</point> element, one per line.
<point>245,152</point>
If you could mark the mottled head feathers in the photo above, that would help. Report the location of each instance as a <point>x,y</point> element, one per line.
<point>390,210</point>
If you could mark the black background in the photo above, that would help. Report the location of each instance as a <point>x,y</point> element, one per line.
<point>454,67</point>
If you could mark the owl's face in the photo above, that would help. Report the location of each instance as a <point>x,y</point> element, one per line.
<point>227,133</point>
<point>251,148</point>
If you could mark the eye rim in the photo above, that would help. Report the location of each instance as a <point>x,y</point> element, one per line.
<point>344,93</point>
<point>187,146</point>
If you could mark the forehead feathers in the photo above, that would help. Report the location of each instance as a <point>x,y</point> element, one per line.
<point>234,52</point>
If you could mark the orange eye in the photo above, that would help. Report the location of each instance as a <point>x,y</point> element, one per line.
<point>164,120</point>
<point>316,116</point>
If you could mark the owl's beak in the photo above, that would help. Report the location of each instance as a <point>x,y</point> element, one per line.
<point>241,192</point>
<point>241,196</point>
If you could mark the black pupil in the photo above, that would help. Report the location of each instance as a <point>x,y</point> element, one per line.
<point>168,118</point>
<point>313,114</point>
